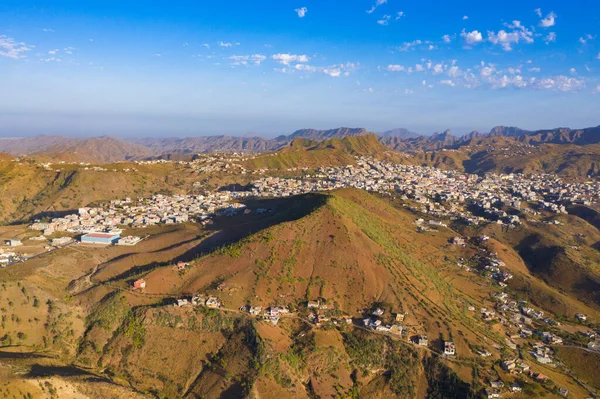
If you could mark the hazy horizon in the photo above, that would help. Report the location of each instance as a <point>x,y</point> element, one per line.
<point>157,132</point>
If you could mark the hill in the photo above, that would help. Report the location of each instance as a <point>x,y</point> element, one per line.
<point>399,132</point>
<point>95,150</point>
<point>349,248</point>
<point>29,190</point>
<point>503,155</point>
<point>6,157</point>
<point>30,145</point>
<point>58,148</point>
<point>306,153</point>
<point>319,135</point>
<point>353,251</point>
<point>208,144</point>
<point>508,131</point>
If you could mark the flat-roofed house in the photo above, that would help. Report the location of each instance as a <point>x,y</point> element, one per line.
<point>100,238</point>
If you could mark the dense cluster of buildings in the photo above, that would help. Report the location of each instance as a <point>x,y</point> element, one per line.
<point>158,209</point>
<point>442,193</point>
<point>10,257</point>
<point>436,192</point>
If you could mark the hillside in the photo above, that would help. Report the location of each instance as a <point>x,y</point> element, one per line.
<point>208,144</point>
<point>305,153</point>
<point>400,133</point>
<point>6,157</point>
<point>108,149</point>
<point>58,148</point>
<point>96,150</point>
<point>30,145</point>
<point>28,190</point>
<point>319,135</point>
<point>352,250</point>
<point>502,155</point>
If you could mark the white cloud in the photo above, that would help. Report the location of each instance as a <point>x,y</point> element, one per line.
<point>255,59</point>
<point>538,12</point>
<point>573,71</point>
<point>53,52</point>
<point>69,50</point>
<point>498,79</point>
<point>447,38</point>
<point>548,21</point>
<point>227,44</point>
<point>48,30</point>
<point>454,72</point>
<point>206,45</point>
<point>306,68</point>
<point>598,56</point>
<point>465,17</point>
<point>419,68</point>
<point>287,59</point>
<point>371,90</point>
<point>408,91</point>
<point>473,37</point>
<point>437,69</point>
<point>301,12</point>
<point>377,4</point>
<point>560,83</point>
<point>399,15</point>
<point>550,38</point>
<point>12,49</point>
<point>508,39</point>
<point>598,89</point>
<point>334,71</point>
<point>408,45</point>
<point>584,39</point>
<point>487,71</point>
<point>51,59</point>
<point>158,55</point>
<point>385,20</point>
<point>505,81</point>
<point>523,32</point>
<point>395,68</point>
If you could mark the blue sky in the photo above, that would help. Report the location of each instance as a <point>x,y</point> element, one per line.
<point>236,67</point>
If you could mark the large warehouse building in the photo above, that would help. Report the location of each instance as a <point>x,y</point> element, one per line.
<point>100,238</point>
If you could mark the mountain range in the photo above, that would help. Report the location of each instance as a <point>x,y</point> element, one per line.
<point>107,149</point>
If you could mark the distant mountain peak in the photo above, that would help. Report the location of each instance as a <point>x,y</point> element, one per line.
<point>510,131</point>
<point>400,132</point>
<point>445,137</point>
<point>320,135</point>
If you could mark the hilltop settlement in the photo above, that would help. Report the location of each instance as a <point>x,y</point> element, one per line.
<point>438,193</point>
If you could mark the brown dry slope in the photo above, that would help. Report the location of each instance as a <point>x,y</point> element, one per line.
<point>305,153</point>
<point>351,249</point>
<point>27,189</point>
